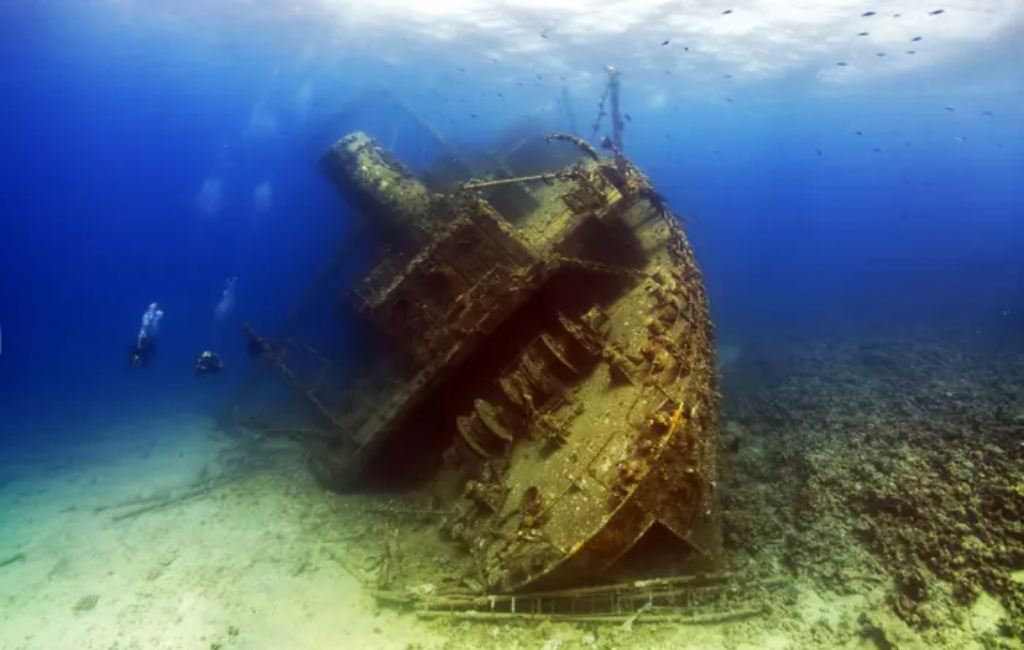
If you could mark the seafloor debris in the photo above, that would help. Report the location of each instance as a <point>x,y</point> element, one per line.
<point>705,598</point>
<point>17,557</point>
<point>86,603</point>
<point>885,464</point>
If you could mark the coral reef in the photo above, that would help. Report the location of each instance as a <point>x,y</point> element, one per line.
<point>898,463</point>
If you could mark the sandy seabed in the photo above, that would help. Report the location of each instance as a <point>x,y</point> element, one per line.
<point>259,563</point>
<point>237,568</point>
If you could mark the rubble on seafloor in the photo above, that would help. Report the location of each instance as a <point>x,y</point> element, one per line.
<point>888,465</point>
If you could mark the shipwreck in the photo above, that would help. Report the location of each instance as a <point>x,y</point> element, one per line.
<point>535,352</point>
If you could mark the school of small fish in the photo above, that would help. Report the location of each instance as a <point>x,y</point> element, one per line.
<point>550,32</point>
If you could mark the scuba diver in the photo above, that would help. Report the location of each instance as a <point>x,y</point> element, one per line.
<point>140,351</point>
<point>208,363</point>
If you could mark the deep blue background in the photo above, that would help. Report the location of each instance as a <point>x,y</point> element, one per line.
<point>107,136</point>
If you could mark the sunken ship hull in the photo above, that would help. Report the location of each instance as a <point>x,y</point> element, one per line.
<point>542,355</point>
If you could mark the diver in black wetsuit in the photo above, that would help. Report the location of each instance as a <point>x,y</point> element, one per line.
<point>208,364</point>
<point>140,351</point>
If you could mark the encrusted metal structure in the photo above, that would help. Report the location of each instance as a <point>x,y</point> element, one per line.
<point>543,361</point>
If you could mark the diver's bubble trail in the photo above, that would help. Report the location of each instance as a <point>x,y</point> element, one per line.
<point>263,197</point>
<point>210,198</point>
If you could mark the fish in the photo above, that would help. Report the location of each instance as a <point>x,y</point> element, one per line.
<point>896,15</point>
<point>949,109</point>
<point>841,64</point>
<point>859,132</point>
<point>867,14</point>
<point>988,113</point>
<point>936,12</point>
<point>819,151</point>
<point>864,34</point>
<point>727,12</point>
<point>960,138</point>
<point>916,39</point>
<point>876,150</point>
<point>880,54</point>
<point>727,76</point>
<point>664,43</point>
<point>628,118</point>
<point>728,99</point>
<point>911,52</point>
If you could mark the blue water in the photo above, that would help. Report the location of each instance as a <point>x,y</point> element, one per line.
<point>114,115</point>
<point>114,118</point>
